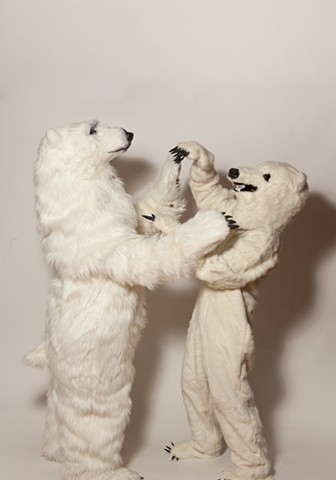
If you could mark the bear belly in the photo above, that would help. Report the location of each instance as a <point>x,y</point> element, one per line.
<point>93,327</point>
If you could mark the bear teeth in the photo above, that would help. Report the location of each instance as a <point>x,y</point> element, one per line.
<point>244,187</point>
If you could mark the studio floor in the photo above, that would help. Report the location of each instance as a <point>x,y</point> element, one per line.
<point>301,458</point>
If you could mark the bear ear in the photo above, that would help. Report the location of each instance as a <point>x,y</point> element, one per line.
<point>303,185</point>
<point>53,137</point>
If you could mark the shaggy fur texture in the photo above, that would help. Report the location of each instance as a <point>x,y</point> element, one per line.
<point>100,264</point>
<point>220,347</point>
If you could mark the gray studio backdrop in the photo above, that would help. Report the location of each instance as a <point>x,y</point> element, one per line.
<point>252,81</point>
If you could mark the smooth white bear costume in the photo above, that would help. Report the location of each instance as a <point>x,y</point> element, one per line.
<point>88,225</point>
<point>220,347</point>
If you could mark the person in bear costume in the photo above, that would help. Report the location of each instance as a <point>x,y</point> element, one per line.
<point>89,229</point>
<point>220,348</point>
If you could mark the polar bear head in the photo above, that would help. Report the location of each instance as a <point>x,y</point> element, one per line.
<point>73,165</point>
<point>270,194</point>
<point>85,145</point>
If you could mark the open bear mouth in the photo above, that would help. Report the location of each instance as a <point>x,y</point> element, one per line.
<point>244,187</point>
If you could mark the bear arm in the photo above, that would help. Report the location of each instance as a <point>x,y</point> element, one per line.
<point>162,202</point>
<point>207,190</point>
<point>149,260</point>
<point>228,280</point>
<point>253,254</point>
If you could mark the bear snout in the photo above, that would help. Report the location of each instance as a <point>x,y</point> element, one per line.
<point>233,173</point>
<point>129,136</point>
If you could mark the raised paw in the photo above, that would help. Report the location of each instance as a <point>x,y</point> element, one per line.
<point>198,154</point>
<point>178,154</point>
<point>232,224</point>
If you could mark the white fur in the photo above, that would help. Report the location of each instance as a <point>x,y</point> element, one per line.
<point>220,347</point>
<point>163,199</point>
<point>88,226</point>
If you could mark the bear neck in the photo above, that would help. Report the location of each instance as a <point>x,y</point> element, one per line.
<point>67,199</point>
<point>251,215</point>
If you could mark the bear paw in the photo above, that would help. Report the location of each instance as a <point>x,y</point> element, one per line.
<point>193,148</point>
<point>178,154</point>
<point>198,154</point>
<point>232,224</point>
<point>185,451</point>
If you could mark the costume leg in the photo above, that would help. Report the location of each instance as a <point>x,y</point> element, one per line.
<point>229,355</point>
<point>206,441</point>
<point>94,413</point>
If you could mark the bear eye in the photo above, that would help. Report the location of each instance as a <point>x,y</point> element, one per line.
<point>93,128</point>
<point>267,176</point>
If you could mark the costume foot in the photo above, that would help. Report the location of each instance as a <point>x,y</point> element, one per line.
<point>118,474</point>
<point>235,475</point>
<point>125,474</point>
<point>185,451</point>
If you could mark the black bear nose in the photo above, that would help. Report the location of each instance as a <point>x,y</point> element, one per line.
<point>129,135</point>
<point>233,173</point>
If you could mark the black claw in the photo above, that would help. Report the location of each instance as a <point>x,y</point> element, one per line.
<point>232,224</point>
<point>168,450</point>
<point>149,217</point>
<point>179,154</point>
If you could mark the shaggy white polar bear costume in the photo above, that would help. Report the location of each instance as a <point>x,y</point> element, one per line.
<point>220,347</point>
<point>88,225</point>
